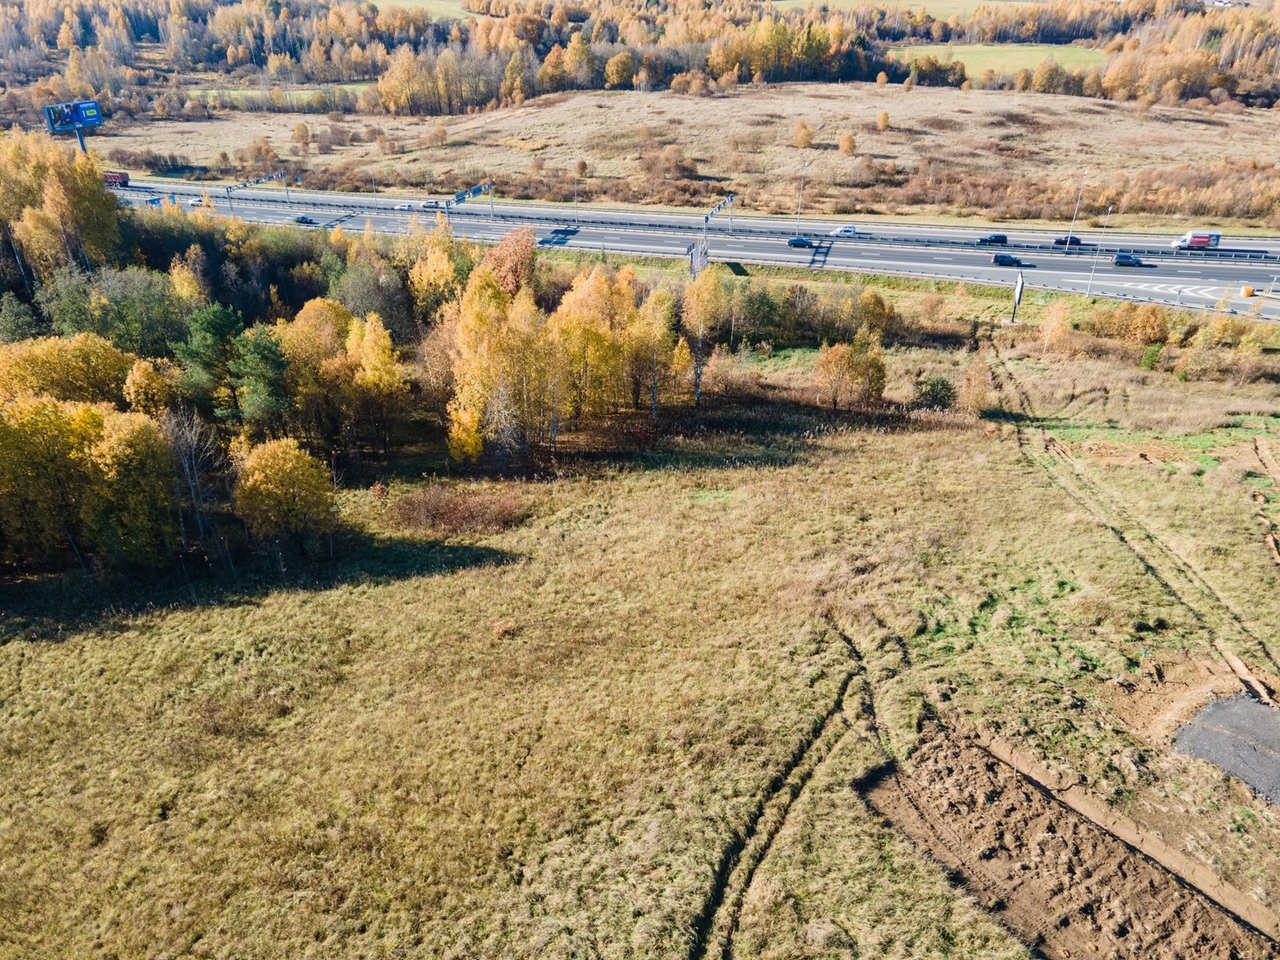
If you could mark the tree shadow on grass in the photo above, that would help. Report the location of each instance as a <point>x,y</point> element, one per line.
<point>51,607</point>
<point>770,429</point>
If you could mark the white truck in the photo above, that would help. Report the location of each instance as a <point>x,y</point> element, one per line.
<point>1197,240</point>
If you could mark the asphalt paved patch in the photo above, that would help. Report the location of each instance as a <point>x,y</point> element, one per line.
<point>1241,736</point>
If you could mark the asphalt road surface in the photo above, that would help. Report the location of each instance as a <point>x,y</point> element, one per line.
<point>1196,279</point>
<point>1241,736</point>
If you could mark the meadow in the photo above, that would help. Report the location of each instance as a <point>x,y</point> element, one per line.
<point>941,9</point>
<point>653,708</point>
<point>1006,58</point>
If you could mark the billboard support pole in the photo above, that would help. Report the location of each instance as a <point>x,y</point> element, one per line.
<point>80,140</point>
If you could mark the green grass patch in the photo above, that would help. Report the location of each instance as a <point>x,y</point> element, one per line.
<point>436,9</point>
<point>1001,57</point>
<point>941,9</point>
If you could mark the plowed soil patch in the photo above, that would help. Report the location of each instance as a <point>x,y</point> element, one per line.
<point>1064,884</point>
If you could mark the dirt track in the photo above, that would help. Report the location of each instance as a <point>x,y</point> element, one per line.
<point>1067,886</point>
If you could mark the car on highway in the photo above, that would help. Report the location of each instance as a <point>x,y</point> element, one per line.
<point>304,220</point>
<point>1068,241</point>
<point>1006,260</point>
<point>993,240</point>
<point>1126,260</point>
<point>428,204</point>
<point>404,206</point>
<point>799,241</point>
<point>197,202</point>
<point>848,230</point>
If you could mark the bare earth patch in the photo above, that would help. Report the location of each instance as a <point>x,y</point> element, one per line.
<point>1062,883</point>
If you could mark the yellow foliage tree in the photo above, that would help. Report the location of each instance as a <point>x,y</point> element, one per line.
<point>480,316</point>
<point>47,484</point>
<point>54,203</point>
<point>84,367</point>
<point>649,345</point>
<point>380,385</point>
<point>133,515</point>
<point>588,325</point>
<point>151,387</point>
<point>703,312</point>
<point>283,491</point>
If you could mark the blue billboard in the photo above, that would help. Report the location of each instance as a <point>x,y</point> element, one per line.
<point>69,117</point>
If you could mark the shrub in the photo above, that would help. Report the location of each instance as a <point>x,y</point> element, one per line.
<point>934,393</point>
<point>448,509</point>
<point>284,491</point>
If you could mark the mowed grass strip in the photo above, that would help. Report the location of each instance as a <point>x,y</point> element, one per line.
<point>940,9</point>
<point>437,9</point>
<point>1001,57</point>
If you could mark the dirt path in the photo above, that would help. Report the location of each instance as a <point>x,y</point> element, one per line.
<point>1070,887</point>
<point>1176,575</point>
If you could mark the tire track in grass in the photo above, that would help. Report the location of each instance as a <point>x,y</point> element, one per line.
<point>717,923</point>
<point>1176,575</point>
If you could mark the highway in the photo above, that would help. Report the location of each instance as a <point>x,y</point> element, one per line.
<point>1193,279</point>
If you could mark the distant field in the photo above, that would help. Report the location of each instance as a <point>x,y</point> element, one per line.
<point>941,9</point>
<point>745,142</point>
<point>438,9</point>
<point>1001,57</point>
<point>292,97</point>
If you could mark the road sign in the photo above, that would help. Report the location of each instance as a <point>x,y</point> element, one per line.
<point>1017,298</point>
<point>699,257</point>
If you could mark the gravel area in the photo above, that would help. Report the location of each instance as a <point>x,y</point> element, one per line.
<point>1242,736</point>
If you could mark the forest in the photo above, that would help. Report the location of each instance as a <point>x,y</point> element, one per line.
<point>141,58</point>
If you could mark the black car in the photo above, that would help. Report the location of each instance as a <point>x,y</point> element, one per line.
<point>1066,241</point>
<point>993,240</point>
<point>1126,260</point>
<point>305,221</point>
<point>798,241</point>
<point>1006,260</point>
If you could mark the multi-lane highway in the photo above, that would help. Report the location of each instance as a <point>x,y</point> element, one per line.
<point>1197,279</point>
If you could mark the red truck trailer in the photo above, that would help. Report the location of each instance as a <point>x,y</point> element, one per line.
<point>1197,240</point>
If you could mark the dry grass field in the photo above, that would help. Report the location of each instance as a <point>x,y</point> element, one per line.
<point>947,153</point>
<point>738,694</point>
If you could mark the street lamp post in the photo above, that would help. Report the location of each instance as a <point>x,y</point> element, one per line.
<point>1096,250</point>
<point>1079,196</point>
<point>800,196</point>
